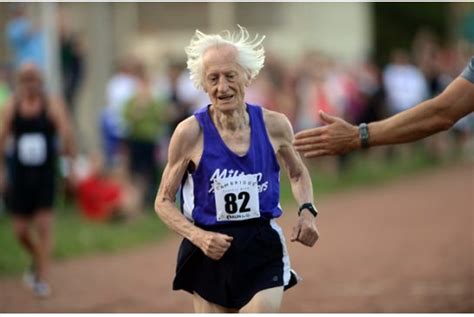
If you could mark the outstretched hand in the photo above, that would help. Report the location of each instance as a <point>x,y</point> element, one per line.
<point>336,137</point>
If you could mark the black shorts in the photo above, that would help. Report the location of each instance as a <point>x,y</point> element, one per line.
<point>256,260</point>
<point>27,195</point>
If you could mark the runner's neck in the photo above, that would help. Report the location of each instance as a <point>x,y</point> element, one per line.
<point>231,121</point>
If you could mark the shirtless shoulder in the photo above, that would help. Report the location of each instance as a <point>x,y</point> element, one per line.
<point>278,127</point>
<point>6,114</point>
<point>187,141</point>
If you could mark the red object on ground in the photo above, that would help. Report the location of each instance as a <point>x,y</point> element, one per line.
<point>98,197</point>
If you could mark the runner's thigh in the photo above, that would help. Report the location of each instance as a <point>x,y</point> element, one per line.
<point>266,301</point>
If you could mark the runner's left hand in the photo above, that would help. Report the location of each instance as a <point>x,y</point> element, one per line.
<point>305,230</point>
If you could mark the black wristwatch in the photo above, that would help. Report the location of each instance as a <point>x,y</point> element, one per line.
<point>364,135</point>
<point>310,207</point>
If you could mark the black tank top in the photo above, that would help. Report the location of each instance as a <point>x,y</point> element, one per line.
<point>34,142</point>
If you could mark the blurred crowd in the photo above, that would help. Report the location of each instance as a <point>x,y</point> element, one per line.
<point>143,107</point>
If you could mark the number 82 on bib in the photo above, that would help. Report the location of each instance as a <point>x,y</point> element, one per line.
<point>237,198</point>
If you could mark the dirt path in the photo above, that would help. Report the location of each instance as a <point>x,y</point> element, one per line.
<point>403,247</point>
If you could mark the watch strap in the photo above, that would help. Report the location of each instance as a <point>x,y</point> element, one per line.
<point>364,135</point>
<point>310,207</point>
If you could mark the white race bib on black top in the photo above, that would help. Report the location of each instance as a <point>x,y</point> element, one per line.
<point>237,198</point>
<point>32,149</point>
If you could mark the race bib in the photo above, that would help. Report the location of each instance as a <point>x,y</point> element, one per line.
<point>32,149</point>
<point>237,198</point>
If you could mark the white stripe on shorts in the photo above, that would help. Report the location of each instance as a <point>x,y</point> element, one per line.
<point>286,258</point>
<point>188,197</point>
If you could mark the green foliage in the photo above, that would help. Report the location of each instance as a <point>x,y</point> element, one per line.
<point>75,236</point>
<point>396,24</point>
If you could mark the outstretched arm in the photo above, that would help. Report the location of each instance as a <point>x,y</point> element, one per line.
<point>281,135</point>
<point>185,149</point>
<point>431,116</point>
<point>427,118</point>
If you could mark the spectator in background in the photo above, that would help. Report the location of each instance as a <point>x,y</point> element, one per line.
<point>404,84</point>
<point>25,39</point>
<point>104,196</point>
<point>33,120</point>
<point>120,89</point>
<point>426,52</point>
<point>178,108</point>
<point>145,120</point>
<point>188,93</point>
<point>372,93</point>
<point>273,89</point>
<point>72,61</point>
<point>310,90</point>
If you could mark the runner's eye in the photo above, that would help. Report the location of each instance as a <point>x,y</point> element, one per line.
<point>212,79</point>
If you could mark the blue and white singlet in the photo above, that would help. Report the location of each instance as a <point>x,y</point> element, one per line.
<point>226,187</point>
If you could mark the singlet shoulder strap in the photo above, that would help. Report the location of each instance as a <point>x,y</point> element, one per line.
<point>203,118</point>
<point>259,124</point>
<point>256,112</point>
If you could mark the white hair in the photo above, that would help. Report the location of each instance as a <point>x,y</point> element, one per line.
<point>250,52</point>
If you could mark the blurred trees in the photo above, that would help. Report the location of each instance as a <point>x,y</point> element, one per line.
<point>396,24</point>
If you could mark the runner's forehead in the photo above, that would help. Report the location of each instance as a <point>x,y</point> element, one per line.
<point>220,59</point>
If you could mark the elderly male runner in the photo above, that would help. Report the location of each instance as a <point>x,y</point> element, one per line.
<point>233,256</point>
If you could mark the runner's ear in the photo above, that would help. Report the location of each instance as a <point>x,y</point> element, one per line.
<point>248,78</point>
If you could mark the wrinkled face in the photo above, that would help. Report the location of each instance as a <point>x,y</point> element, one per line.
<point>224,78</point>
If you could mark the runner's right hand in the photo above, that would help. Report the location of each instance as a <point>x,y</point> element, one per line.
<point>213,244</point>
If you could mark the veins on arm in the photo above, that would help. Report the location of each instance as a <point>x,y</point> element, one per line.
<point>184,146</point>
<point>281,135</point>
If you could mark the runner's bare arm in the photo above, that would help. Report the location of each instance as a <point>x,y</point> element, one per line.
<point>64,126</point>
<point>427,118</point>
<point>6,118</point>
<point>281,135</point>
<point>186,148</point>
<point>5,127</point>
